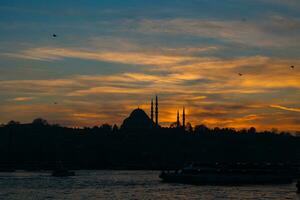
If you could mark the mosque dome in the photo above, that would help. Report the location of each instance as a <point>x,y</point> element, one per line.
<point>138,119</point>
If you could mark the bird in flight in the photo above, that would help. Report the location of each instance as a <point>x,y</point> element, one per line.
<point>292,66</point>
<point>54,35</point>
<point>55,102</point>
<point>240,74</point>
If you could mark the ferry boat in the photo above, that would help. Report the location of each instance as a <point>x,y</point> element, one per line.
<point>229,175</point>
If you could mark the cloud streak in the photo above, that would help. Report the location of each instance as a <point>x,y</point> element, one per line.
<point>52,54</point>
<point>20,99</point>
<point>285,108</point>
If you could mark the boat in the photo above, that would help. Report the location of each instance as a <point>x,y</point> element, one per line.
<point>62,173</point>
<point>228,175</point>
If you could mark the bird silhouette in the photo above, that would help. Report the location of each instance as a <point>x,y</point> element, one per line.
<point>55,102</point>
<point>240,74</point>
<point>292,66</point>
<point>54,35</point>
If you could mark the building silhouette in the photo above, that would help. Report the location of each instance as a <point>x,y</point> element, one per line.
<point>156,111</point>
<point>178,119</point>
<point>152,109</point>
<point>183,118</point>
<point>177,122</point>
<point>138,119</point>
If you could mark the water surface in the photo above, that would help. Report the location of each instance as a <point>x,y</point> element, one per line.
<point>125,185</point>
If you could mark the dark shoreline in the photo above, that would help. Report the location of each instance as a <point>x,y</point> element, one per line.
<point>43,146</point>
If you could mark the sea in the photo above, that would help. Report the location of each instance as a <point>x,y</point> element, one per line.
<point>144,185</point>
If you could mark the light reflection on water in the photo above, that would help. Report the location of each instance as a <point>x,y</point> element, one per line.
<point>125,185</point>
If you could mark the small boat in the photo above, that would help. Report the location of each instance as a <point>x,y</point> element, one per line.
<point>227,176</point>
<point>62,173</point>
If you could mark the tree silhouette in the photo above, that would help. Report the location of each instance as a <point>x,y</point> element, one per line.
<point>189,127</point>
<point>252,130</point>
<point>201,129</point>
<point>13,123</point>
<point>40,145</point>
<point>39,122</point>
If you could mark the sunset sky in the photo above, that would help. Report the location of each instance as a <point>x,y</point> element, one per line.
<point>111,56</point>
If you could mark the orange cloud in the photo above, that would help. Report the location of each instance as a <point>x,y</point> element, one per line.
<point>204,85</point>
<point>23,98</point>
<point>89,115</point>
<point>285,108</point>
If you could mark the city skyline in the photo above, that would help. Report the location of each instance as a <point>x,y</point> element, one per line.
<point>230,64</point>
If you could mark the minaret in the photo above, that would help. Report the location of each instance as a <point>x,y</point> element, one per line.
<point>183,118</point>
<point>156,111</point>
<point>151,109</point>
<point>177,123</point>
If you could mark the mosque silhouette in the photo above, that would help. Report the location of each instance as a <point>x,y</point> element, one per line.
<point>138,119</point>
